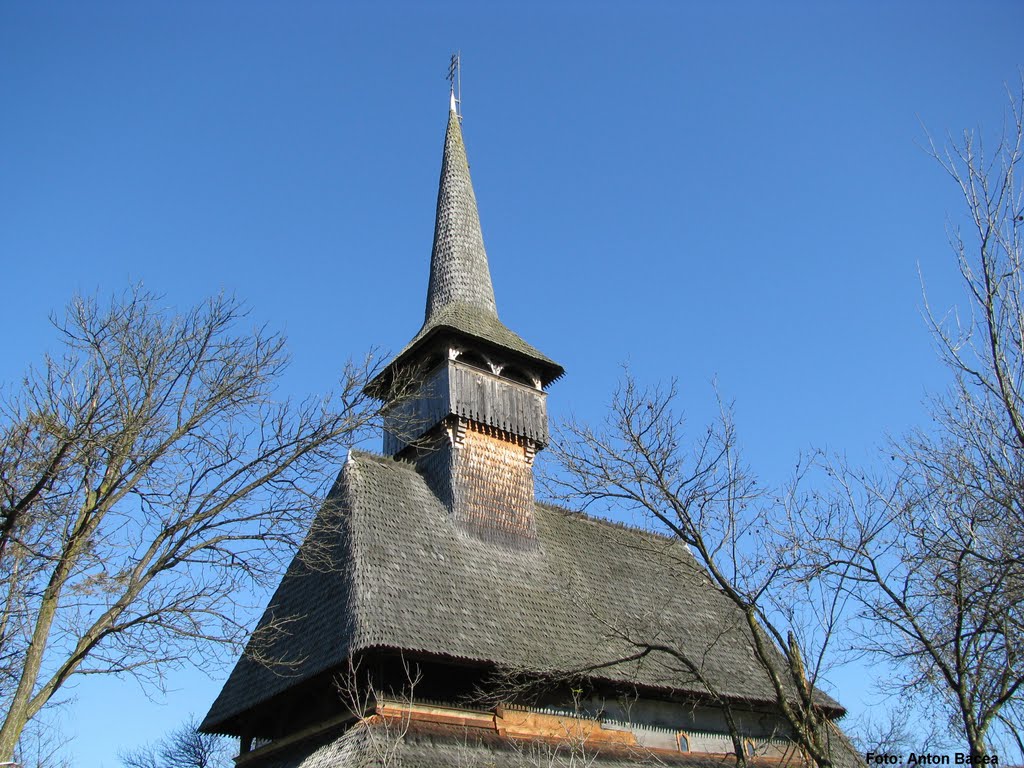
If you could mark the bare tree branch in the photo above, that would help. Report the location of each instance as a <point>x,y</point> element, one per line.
<point>698,489</point>
<point>185,747</point>
<point>932,551</point>
<point>149,475</point>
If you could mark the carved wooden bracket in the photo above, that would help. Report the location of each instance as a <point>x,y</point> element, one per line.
<point>529,450</point>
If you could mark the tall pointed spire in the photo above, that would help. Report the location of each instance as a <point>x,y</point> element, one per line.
<point>459,273</point>
<point>461,312</point>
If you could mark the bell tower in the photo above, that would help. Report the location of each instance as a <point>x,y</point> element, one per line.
<point>467,399</point>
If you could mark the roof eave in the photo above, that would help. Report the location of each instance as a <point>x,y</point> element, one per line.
<point>380,386</point>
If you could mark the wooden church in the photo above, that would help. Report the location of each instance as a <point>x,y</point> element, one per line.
<point>438,615</point>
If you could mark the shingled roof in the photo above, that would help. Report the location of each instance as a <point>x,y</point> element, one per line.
<point>387,567</point>
<point>460,295</point>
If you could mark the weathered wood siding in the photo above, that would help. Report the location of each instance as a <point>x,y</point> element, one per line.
<point>508,405</point>
<point>461,390</point>
<point>484,479</point>
<point>409,419</point>
<point>492,485</point>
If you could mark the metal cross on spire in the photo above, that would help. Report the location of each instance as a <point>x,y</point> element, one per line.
<point>455,78</point>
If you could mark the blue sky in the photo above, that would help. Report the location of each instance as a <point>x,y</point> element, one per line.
<point>706,191</point>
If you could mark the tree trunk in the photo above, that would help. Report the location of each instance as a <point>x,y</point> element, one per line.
<point>21,705</point>
<point>975,736</point>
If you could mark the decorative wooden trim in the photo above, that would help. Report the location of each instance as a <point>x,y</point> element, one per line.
<point>459,431</point>
<point>530,451</point>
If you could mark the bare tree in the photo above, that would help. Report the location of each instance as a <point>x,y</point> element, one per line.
<point>895,731</point>
<point>383,716</point>
<point>934,551</point>
<point>43,743</point>
<point>185,747</point>
<point>930,556</point>
<point>644,461</point>
<point>939,594</point>
<point>149,477</point>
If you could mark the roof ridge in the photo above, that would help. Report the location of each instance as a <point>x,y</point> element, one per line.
<point>379,457</point>
<point>607,521</point>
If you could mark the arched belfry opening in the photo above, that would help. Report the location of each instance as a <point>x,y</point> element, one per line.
<point>512,373</point>
<point>475,360</point>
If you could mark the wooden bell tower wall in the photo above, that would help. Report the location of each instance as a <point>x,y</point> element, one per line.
<point>473,435</point>
<point>485,478</point>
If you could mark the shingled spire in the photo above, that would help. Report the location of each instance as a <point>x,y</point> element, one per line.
<point>459,274</point>
<point>460,295</point>
<point>466,396</point>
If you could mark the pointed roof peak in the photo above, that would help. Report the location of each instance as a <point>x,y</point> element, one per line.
<point>459,272</point>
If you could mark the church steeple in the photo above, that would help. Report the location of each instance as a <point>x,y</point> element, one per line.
<point>460,296</point>
<point>466,396</point>
<point>459,273</point>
